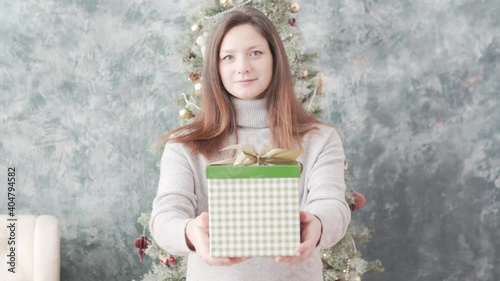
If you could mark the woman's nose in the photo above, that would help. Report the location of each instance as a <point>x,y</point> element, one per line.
<point>243,66</point>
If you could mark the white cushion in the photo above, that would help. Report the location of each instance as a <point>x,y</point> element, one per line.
<point>37,248</point>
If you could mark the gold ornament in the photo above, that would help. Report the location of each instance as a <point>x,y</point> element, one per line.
<point>201,41</point>
<point>226,3</point>
<point>189,57</point>
<point>193,77</point>
<point>185,113</point>
<point>294,7</point>
<point>195,27</point>
<point>197,88</point>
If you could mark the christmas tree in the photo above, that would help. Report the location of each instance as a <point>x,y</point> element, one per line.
<point>341,262</point>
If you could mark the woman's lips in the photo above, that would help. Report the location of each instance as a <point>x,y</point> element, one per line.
<point>245,81</point>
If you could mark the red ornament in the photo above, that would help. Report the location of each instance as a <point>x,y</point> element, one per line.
<point>141,244</point>
<point>359,200</point>
<point>172,259</point>
<point>292,21</point>
<point>164,262</point>
<point>141,254</point>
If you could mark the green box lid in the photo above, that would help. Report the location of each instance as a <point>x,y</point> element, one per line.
<point>271,171</point>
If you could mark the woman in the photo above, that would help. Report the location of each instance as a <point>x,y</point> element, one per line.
<point>248,97</point>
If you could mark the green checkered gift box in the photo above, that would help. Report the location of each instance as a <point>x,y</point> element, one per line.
<point>254,210</point>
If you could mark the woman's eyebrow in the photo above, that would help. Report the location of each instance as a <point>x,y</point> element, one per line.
<point>232,51</point>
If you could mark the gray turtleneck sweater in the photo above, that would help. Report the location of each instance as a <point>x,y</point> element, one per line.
<point>182,195</point>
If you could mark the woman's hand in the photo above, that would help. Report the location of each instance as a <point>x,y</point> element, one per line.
<point>197,238</point>
<point>310,234</point>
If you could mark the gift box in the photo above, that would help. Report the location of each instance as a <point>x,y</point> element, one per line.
<point>253,210</point>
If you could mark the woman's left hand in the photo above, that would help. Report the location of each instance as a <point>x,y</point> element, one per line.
<point>310,234</point>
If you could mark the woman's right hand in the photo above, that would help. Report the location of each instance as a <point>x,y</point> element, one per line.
<point>197,239</point>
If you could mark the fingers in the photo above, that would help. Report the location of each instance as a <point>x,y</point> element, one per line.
<point>306,218</point>
<point>201,243</point>
<point>222,261</point>
<point>310,234</point>
<point>203,220</point>
<point>289,260</point>
<point>305,250</point>
<point>204,253</point>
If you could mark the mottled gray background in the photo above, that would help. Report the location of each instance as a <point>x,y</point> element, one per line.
<point>413,86</point>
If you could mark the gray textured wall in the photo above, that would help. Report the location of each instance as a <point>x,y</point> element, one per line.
<point>413,86</point>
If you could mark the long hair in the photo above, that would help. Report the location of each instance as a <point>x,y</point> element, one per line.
<point>211,129</point>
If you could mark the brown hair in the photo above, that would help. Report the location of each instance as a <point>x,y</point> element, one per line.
<point>288,120</point>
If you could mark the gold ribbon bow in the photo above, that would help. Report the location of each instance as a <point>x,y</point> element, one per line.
<point>248,156</point>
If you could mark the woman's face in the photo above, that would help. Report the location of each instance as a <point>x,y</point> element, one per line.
<point>245,62</point>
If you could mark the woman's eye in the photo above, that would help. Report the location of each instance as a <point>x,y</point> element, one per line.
<point>228,57</point>
<point>256,53</point>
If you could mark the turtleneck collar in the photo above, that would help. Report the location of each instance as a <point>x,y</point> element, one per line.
<point>251,113</point>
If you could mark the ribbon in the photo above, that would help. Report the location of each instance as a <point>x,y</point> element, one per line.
<point>248,156</point>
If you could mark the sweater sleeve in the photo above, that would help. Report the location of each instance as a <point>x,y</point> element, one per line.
<point>326,189</point>
<point>175,202</point>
